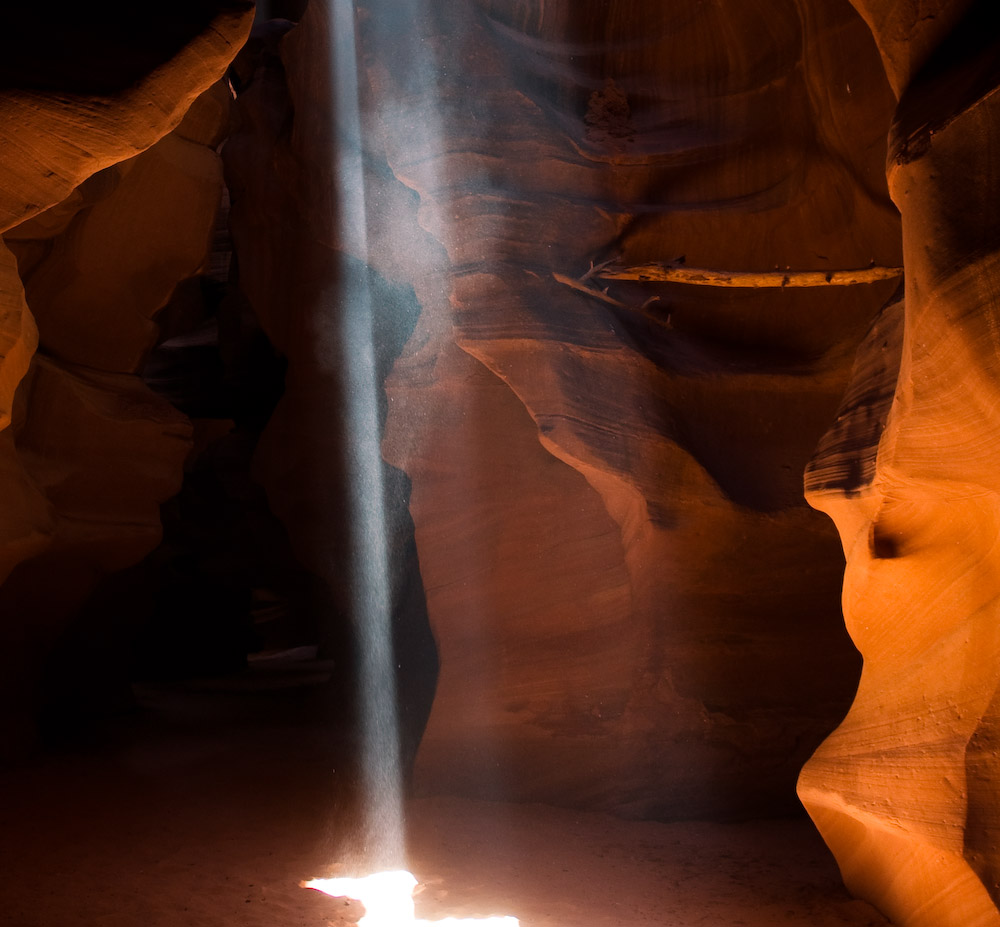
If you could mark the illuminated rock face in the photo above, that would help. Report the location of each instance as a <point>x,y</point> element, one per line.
<point>95,238</point>
<point>634,609</point>
<point>905,791</point>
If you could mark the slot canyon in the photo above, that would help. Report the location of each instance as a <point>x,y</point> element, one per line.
<point>631,363</point>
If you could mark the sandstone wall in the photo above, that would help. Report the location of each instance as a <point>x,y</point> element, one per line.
<point>633,608</point>
<point>905,790</point>
<point>95,237</point>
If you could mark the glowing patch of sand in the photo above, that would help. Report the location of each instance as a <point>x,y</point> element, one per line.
<point>388,901</point>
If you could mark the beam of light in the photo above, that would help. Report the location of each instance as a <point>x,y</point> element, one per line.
<point>386,895</point>
<point>380,760</point>
<point>388,901</point>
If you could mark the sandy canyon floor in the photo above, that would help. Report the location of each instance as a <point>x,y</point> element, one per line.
<point>208,806</point>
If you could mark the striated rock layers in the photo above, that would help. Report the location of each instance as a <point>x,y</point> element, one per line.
<point>905,790</point>
<point>644,620</point>
<point>655,630</point>
<point>90,252</point>
<point>633,608</point>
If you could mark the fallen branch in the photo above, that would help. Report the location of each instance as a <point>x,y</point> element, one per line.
<point>581,287</point>
<point>674,273</point>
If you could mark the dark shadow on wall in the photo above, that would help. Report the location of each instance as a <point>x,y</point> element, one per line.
<point>225,592</point>
<point>93,48</point>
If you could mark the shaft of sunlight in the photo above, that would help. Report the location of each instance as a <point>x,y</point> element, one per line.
<point>382,787</point>
<point>387,893</point>
<point>388,901</point>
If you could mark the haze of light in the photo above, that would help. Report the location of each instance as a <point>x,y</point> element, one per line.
<point>388,901</point>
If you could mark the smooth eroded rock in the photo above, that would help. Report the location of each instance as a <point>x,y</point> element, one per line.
<point>904,791</point>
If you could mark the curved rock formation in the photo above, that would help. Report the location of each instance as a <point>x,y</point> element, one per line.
<point>645,618</point>
<point>27,522</point>
<point>88,452</point>
<point>126,80</point>
<point>905,790</point>
<point>633,608</point>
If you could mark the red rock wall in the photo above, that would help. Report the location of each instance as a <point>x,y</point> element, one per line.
<point>708,654</point>
<point>905,790</point>
<point>90,251</point>
<point>633,607</point>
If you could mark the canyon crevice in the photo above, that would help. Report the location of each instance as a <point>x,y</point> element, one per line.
<point>608,589</point>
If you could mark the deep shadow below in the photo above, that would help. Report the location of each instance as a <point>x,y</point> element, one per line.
<point>212,802</point>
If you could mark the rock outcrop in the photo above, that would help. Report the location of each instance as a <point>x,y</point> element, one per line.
<point>95,237</point>
<point>633,608</point>
<point>905,790</point>
<point>651,137</point>
<point>591,485</point>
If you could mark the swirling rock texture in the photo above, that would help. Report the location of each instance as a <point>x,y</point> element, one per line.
<point>90,251</point>
<point>905,790</point>
<point>631,612</point>
<point>634,610</point>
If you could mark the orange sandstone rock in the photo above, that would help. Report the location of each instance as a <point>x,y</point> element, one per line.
<point>690,430</point>
<point>18,333</point>
<point>87,453</point>
<point>55,136</point>
<point>139,228</point>
<point>904,791</point>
